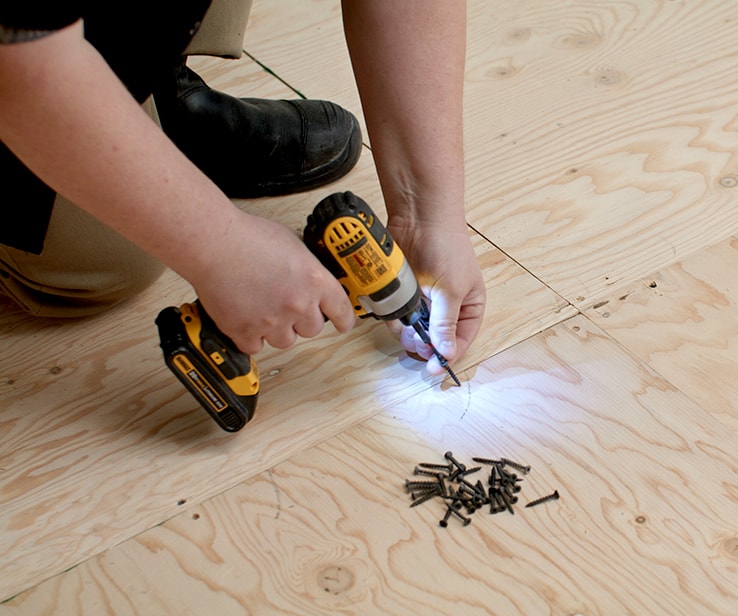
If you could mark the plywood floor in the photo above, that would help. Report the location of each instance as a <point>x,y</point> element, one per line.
<point>602,164</point>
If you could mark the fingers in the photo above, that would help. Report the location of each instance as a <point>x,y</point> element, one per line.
<point>282,333</point>
<point>470,322</point>
<point>282,339</point>
<point>309,326</point>
<point>340,313</point>
<point>442,329</point>
<point>250,346</point>
<point>452,328</point>
<point>413,343</point>
<point>337,308</point>
<point>286,294</point>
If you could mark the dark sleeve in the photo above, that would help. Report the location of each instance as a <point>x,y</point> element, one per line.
<point>141,40</point>
<point>43,15</point>
<point>28,201</point>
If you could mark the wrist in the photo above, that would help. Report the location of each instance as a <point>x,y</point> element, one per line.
<point>430,217</point>
<point>426,201</point>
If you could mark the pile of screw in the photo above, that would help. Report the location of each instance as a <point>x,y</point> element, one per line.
<point>462,496</point>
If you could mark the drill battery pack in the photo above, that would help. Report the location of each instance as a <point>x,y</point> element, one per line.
<point>222,379</point>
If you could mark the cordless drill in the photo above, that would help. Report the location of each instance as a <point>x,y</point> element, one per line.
<point>351,242</point>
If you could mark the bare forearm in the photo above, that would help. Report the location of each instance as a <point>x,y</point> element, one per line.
<point>408,59</point>
<point>64,113</point>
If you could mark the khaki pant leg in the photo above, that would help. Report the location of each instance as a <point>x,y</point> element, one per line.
<point>85,266</point>
<point>222,30</point>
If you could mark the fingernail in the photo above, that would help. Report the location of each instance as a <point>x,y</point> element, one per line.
<point>446,348</point>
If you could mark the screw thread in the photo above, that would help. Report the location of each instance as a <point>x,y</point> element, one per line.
<point>543,499</point>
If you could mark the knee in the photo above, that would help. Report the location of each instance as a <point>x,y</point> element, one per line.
<point>63,293</point>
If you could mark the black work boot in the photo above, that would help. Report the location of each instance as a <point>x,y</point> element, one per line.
<point>254,147</point>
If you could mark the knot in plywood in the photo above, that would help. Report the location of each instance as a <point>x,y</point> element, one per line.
<point>336,579</point>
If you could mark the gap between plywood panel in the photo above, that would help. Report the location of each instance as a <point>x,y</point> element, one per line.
<point>601,139</point>
<point>641,469</point>
<point>683,322</point>
<point>108,444</point>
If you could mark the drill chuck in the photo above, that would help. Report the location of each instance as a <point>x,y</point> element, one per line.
<point>398,299</point>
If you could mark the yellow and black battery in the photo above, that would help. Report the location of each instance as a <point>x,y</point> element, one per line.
<point>224,380</point>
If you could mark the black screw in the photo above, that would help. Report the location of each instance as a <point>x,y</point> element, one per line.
<point>438,467</point>
<point>505,475</point>
<point>516,465</point>
<point>468,471</point>
<point>495,504</point>
<point>508,503</point>
<point>452,494</point>
<point>510,488</point>
<point>425,497</point>
<point>444,521</point>
<point>418,493</point>
<point>420,485</point>
<point>469,489</point>
<point>502,504</point>
<point>468,484</point>
<point>450,457</point>
<point>461,516</point>
<point>492,476</point>
<point>457,499</point>
<point>544,499</point>
<point>442,484</point>
<point>487,461</point>
<point>463,496</point>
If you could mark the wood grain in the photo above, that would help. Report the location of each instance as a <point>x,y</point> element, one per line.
<point>601,136</point>
<point>303,42</point>
<point>600,159</point>
<point>683,321</point>
<point>646,522</point>
<point>99,442</point>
